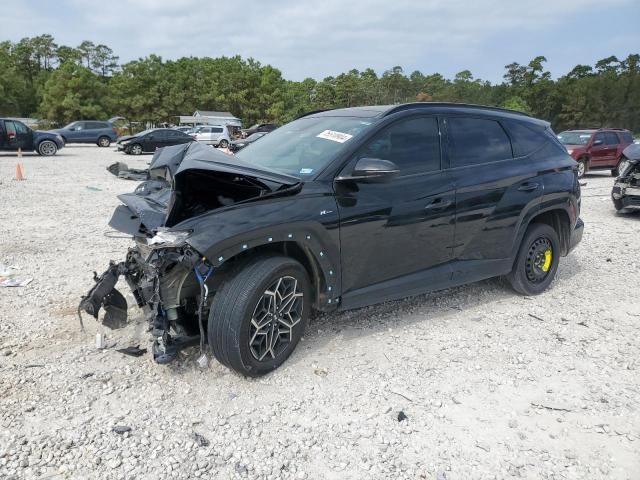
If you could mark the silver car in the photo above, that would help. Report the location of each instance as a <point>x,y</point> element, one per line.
<point>216,135</point>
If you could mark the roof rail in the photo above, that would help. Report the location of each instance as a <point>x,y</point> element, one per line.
<point>408,106</point>
<point>615,129</point>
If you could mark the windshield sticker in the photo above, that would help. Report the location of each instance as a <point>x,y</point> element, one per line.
<point>335,136</point>
<point>306,171</point>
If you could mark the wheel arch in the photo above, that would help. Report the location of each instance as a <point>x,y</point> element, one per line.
<point>320,278</point>
<point>557,218</point>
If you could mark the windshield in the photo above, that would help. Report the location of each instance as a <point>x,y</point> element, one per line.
<point>304,146</point>
<point>254,136</point>
<point>144,132</point>
<point>574,138</point>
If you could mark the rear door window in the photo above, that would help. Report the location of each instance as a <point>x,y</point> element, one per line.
<point>474,141</point>
<point>216,129</point>
<point>412,144</point>
<point>11,128</point>
<point>611,138</point>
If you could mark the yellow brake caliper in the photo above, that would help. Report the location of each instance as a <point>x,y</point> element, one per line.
<point>547,260</point>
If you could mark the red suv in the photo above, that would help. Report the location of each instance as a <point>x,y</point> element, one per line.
<point>596,149</point>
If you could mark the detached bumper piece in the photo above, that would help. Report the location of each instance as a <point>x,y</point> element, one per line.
<point>104,295</point>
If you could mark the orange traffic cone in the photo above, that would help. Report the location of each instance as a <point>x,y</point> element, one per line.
<point>19,176</point>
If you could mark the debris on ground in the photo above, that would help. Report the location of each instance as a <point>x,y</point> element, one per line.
<point>122,170</point>
<point>133,351</point>
<point>8,278</point>
<point>200,440</point>
<point>121,429</point>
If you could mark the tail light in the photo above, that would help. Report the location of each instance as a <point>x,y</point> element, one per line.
<point>114,130</point>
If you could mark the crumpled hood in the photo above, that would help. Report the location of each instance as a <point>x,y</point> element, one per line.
<point>200,179</point>
<point>198,156</point>
<point>125,138</point>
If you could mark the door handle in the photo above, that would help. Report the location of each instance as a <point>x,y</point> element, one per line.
<point>528,187</point>
<point>438,204</point>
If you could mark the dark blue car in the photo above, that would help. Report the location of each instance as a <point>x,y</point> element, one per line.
<point>88,131</point>
<point>16,135</point>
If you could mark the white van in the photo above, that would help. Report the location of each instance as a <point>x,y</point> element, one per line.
<point>216,135</point>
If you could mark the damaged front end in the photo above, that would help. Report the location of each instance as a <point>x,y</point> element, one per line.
<point>169,278</point>
<point>626,189</point>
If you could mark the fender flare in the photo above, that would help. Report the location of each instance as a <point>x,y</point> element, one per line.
<point>526,221</point>
<point>311,238</point>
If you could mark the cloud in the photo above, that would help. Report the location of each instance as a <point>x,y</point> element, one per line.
<point>321,38</point>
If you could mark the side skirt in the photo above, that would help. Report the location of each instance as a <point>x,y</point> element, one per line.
<point>449,275</point>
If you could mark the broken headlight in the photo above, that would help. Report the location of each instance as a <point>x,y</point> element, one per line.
<point>166,238</point>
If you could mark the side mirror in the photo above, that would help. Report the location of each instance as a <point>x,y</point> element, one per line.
<point>596,143</point>
<point>372,170</point>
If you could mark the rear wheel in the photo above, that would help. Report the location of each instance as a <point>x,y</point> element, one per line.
<point>582,167</point>
<point>537,261</point>
<point>104,141</point>
<point>258,317</point>
<point>47,148</point>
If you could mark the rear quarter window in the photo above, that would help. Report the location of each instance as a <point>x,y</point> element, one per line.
<point>474,141</point>
<point>525,138</point>
<point>626,137</point>
<point>216,130</point>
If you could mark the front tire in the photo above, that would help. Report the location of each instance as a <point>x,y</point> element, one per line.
<point>104,141</point>
<point>258,316</point>
<point>135,149</point>
<point>46,148</point>
<point>582,167</point>
<point>537,261</point>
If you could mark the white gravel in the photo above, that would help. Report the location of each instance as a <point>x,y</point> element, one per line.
<point>493,385</point>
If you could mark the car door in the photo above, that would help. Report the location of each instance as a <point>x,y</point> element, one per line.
<point>600,152</point>
<point>612,142</point>
<point>77,133</point>
<point>92,132</point>
<point>19,136</point>
<point>156,139</point>
<point>391,230</point>
<point>493,188</point>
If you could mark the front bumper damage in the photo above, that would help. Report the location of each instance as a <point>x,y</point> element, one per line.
<point>170,284</point>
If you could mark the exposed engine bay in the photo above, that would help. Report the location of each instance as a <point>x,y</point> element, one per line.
<point>626,189</point>
<point>169,278</point>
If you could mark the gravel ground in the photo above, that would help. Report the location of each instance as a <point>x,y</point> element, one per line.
<point>492,384</point>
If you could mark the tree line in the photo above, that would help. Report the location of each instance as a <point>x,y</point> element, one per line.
<point>58,83</point>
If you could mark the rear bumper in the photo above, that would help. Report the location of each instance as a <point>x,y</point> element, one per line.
<point>576,234</point>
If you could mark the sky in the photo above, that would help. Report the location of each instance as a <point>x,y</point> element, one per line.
<point>321,38</point>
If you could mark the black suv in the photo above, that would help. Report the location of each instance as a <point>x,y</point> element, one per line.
<point>16,135</point>
<point>337,210</point>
